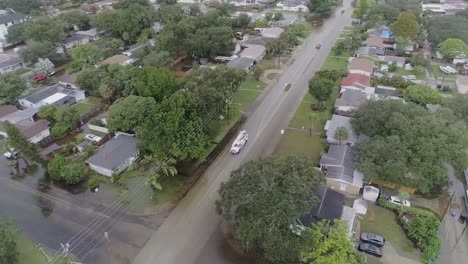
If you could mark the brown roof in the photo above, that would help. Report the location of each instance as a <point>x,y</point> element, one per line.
<point>374,41</point>
<point>361,64</point>
<point>116,59</point>
<point>353,78</point>
<point>30,131</point>
<point>7,109</point>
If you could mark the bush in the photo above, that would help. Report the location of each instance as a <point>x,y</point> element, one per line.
<point>93,183</point>
<point>60,129</point>
<point>96,122</point>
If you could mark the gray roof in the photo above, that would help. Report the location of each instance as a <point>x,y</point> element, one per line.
<point>395,59</point>
<point>351,98</point>
<point>336,122</point>
<point>9,59</point>
<point>329,207</point>
<point>11,18</point>
<point>339,164</point>
<point>49,91</point>
<point>256,40</point>
<point>19,115</point>
<point>90,33</point>
<point>241,63</point>
<point>73,38</point>
<point>253,51</point>
<point>114,152</point>
<point>386,91</point>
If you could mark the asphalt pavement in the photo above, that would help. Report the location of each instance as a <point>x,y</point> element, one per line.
<point>186,235</point>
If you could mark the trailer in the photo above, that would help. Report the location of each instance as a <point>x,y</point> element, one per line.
<point>239,142</point>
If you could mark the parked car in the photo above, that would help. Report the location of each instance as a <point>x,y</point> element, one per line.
<point>93,138</point>
<point>370,249</point>
<point>447,69</point>
<point>395,200</point>
<point>40,78</point>
<point>409,77</point>
<point>373,239</point>
<point>239,142</point>
<point>11,153</point>
<point>318,46</point>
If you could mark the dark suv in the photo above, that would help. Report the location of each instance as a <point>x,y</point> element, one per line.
<point>370,249</point>
<point>373,239</point>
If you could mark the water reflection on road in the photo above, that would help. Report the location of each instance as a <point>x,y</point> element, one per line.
<point>51,214</point>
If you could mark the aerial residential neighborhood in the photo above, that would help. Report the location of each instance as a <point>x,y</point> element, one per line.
<point>229,132</point>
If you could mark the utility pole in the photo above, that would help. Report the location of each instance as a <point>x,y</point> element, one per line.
<point>47,258</point>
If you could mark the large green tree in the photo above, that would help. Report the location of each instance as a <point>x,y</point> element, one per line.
<point>66,170</point>
<point>158,59</point>
<point>16,34</point>
<point>12,87</point>
<point>75,18</point>
<point>45,29</point>
<point>406,26</point>
<point>155,82</point>
<point>17,140</point>
<point>89,80</point>
<point>328,243</point>
<point>441,28</point>
<point>323,7</point>
<point>408,144</point>
<point>8,246</point>
<point>321,89</point>
<point>452,48</point>
<point>422,94</point>
<point>23,6</point>
<point>211,42</point>
<point>459,105</point>
<point>130,113</point>
<point>85,56</point>
<point>263,198</point>
<point>35,50</point>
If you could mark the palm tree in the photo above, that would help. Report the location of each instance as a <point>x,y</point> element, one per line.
<point>341,134</point>
<point>162,168</point>
<point>402,195</point>
<point>312,118</point>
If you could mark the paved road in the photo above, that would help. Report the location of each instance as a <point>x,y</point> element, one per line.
<point>431,81</point>
<point>185,233</point>
<point>450,229</point>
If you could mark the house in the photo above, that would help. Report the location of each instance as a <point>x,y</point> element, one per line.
<point>10,62</point>
<point>8,19</point>
<point>294,5</point>
<point>339,167</point>
<point>115,156</point>
<point>241,2</point>
<point>371,52</point>
<point>117,59</point>
<point>254,40</point>
<point>386,92</point>
<point>92,34</point>
<point>329,206</point>
<point>444,8</point>
<point>188,1</point>
<point>383,33</point>
<point>256,52</point>
<point>340,121</point>
<point>394,60</point>
<point>270,33</point>
<point>350,100</point>
<point>374,42</point>
<point>361,66</point>
<point>356,81</point>
<point>24,120</point>
<point>58,94</point>
<point>462,84</point>
<point>242,63</point>
<point>106,4</point>
<point>74,40</point>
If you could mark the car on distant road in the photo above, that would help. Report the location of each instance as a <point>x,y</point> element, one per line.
<point>318,46</point>
<point>396,200</point>
<point>93,138</point>
<point>373,239</point>
<point>342,11</point>
<point>370,249</point>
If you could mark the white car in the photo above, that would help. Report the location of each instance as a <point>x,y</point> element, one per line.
<point>395,200</point>
<point>409,77</point>
<point>447,69</point>
<point>11,153</point>
<point>239,142</point>
<point>92,137</point>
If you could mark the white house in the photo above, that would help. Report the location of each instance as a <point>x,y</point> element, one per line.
<point>294,5</point>
<point>8,19</point>
<point>256,52</point>
<point>115,156</point>
<point>58,94</point>
<point>34,131</point>
<point>75,40</point>
<point>10,62</point>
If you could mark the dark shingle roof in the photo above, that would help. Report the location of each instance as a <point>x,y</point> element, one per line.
<point>339,163</point>
<point>30,131</point>
<point>351,98</point>
<point>241,63</point>
<point>73,38</point>
<point>329,207</point>
<point>114,152</point>
<point>11,18</point>
<point>49,91</point>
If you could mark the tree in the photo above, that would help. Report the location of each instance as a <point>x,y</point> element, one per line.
<point>329,244</point>
<point>130,113</point>
<point>155,82</point>
<point>263,198</point>
<point>418,60</point>
<point>75,18</point>
<point>56,166</point>
<point>16,34</point>
<point>441,28</point>
<point>48,111</point>
<point>406,26</point>
<point>321,89</point>
<point>89,80</point>
<point>18,141</point>
<point>66,170</point>
<point>408,145</point>
<point>23,6</point>
<point>402,195</point>
<point>175,128</point>
<point>162,168</point>
<point>211,42</point>
<point>278,16</point>
<point>452,48</point>
<point>459,106</point>
<point>363,8</point>
<point>84,56</point>
<point>341,134</point>
<point>422,94</point>
<point>158,59</point>
<point>117,81</point>
<point>35,50</point>
<point>44,66</point>
<point>323,7</point>
<point>124,4</point>
<point>241,22</point>
<point>269,16</point>
<point>45,29</point>
<point>8,250</point>
<point>12,87</point>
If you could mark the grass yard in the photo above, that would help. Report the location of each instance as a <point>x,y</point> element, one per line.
<point>335,63</point>
<point>419,75</point>
<point>82,108</point>
<point>21,71</point>
<point>383,222</point>
<point>440,75</point>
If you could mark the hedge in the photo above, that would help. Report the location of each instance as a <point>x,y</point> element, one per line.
<point>422,229</point>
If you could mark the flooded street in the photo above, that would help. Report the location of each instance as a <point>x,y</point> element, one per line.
<point>50,215</point>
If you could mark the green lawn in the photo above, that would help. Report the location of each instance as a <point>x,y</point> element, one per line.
<point>439,74</point>
<point>383,222</point>
<point>419,75</point>
<point>335,63</point>
<point>21,71</point>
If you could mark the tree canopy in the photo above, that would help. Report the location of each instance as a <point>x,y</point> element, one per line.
<point>16,33</point>
<point>408,145</point>
<point>8,247</point>
<point>321,89</point>
<point>158,59</point>
<point>263,198</point>
<point>130,113</point>
<point>66,170</point>
<point>459,105</point>
<point>452,48</point>
<point>329,244</point>
<point>323,7</point>
<point>84,56</point>
<point>23,6</point>
<point>155,82</point>
<point>12,87</point>
<point>36,50</point>
<point>422,94</point>
<point>17,140</point>
<point>406,26</point>
<point>45,29</point>
<point>441,28</point>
